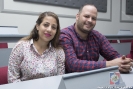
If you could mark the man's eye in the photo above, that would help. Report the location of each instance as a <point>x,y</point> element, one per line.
<point>86,16</point>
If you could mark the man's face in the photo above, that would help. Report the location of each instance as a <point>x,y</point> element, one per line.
<point>86,19</point>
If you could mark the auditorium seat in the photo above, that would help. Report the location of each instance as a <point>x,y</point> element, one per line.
<point>130,55</point>
<point>3,45</point>
<point>8,30</point>
<point>125,41</point>
<point>3,75</point>
<point>125,32</point>
<point>113,41</point>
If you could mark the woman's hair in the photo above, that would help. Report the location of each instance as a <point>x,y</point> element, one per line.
<point>34,33</point>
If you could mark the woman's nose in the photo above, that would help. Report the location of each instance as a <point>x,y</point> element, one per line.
<point>49,29</point>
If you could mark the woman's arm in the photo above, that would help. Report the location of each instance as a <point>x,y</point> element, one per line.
<point>60,61</point>
<point>15,60</point>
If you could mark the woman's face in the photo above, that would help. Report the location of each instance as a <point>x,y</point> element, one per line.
<point>47,29</point>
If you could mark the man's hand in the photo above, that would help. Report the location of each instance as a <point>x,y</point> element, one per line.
<point>124,64</point>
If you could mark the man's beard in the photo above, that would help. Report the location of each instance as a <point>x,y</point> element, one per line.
<point>85,31</point>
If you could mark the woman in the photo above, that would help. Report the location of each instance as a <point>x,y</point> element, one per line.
<point>39,54</point>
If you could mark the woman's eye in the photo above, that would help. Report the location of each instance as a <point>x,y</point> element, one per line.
<point>54,28</point>
<point>45,25</point>
<point>94,18</point>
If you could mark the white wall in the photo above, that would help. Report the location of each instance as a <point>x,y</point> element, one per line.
<point>24,15</point>
<point>14,13</point>
<point>119,19</point>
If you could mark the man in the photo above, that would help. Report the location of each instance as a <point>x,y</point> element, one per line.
<point>82,45</point>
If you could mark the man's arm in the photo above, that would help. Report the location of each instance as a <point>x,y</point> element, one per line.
<point>113,57</point>
<point>106,50</point>
<point>73,64</point>
<point>125,64</point>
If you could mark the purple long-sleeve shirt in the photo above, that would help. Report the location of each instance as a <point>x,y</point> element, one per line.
<point>83,55</point>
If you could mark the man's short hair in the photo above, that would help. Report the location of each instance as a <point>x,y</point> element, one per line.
<point>80,9</point>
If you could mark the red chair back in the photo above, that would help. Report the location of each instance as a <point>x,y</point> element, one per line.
<point>113,41</point>
<point>3,75</point>
<point>130,55</point>
<point>125,41</point>
<point>3,45</point>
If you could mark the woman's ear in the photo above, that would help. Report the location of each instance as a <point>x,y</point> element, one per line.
<point>37,27</point>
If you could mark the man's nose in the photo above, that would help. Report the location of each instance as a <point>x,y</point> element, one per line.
<point>90,19</point>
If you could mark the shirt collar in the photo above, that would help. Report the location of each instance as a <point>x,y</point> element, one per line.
<point>31,43</point>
